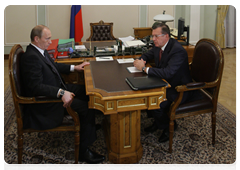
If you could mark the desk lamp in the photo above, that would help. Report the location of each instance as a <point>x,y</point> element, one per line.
<point>163,18</point>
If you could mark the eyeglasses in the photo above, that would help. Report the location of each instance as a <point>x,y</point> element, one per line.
<point>156,36</point>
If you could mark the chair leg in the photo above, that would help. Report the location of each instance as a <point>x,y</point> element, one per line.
<point>213,127</point>
<point>77,141</point>
<point>20,148</point>
<point>171,130</point>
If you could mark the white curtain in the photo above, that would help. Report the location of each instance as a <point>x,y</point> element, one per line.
<point>230,27</point>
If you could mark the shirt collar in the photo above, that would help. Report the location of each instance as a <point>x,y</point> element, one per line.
<point>163,47</point>
<point>39,49</point>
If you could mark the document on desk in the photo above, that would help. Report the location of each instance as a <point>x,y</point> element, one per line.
<point>104,58</point>
<point>133,70</point>
<point>80,47</point>
<point>133,43</point>
<point>129,38</point>
<point>125,60</point>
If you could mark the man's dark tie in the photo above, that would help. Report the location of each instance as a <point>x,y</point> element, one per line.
<point>160,54</point>
<point>54,68</point>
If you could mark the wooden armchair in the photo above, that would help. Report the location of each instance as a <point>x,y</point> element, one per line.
<point>19,102</point>
<point>101,31</point>
<point>206,70</point>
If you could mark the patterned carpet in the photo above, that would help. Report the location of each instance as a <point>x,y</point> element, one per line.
<point>191,142</point>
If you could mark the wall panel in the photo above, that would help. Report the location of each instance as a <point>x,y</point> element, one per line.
<point>19,20</point>
<point>58,20</point>
<point>124,18</point>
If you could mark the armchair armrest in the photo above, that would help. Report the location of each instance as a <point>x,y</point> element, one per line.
<point>45,99</point>
<point>190,87</point>
<point>37,99</point>
<point>195,85</point>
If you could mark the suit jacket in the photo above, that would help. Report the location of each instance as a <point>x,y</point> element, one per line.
<point>173,66</point>
<point>38,79</point>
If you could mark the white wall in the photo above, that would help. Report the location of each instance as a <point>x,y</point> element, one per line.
<point>19,20</point>
<point>124,18</point>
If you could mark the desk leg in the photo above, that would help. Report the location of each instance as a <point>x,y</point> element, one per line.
<point>122,132</point>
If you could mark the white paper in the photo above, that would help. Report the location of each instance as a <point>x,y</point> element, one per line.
<point>134,43</point>
<point>104,58</point>
<point>129,38</point>
<point>80,47</point>
<point>133,69</point>
<point>125,60</point>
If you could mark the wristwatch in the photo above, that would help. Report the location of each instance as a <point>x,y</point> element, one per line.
<point>62,92</point>
<point>143,69</point>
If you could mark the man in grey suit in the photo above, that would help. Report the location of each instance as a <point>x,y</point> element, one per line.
<point>171,62</point>
<point>41,77</point>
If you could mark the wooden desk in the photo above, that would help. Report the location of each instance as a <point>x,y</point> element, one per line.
<point>78,78</point>
<point>109,93</point>
<point>142,32</point>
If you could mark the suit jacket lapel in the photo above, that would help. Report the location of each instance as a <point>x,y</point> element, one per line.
<point>39,55</point>
<point>166,52</point>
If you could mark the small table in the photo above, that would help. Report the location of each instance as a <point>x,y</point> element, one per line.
<point>109,93</point>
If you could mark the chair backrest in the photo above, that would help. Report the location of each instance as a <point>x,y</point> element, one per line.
<point>207,64</point>
<point>14,70</point>
<point>101,31</point>
<point>15,81</point>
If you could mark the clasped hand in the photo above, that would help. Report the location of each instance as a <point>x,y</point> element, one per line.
<point>139,64</point>
<point>67,98</point>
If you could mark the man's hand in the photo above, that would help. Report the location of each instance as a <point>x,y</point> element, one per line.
<point>67,98</point>
<point>139,64</point>
<point>81,66</point>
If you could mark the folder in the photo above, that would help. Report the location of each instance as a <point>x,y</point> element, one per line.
<point>147,82</point>
<point>52,48</point>
<point>65,44</point>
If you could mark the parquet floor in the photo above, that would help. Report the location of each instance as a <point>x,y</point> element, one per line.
<point>227,95</point>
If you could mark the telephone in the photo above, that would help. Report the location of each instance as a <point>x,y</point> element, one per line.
<point>174,32</point>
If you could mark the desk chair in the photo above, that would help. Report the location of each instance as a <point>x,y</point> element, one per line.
<point>101,31</point>
<point>19,102</point>
<point>206,71</point>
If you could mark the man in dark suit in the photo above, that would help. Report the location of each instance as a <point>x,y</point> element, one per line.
<point>171,62</point>
<point>41,77</point>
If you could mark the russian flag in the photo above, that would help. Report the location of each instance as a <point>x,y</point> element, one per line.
<point>76,26</point>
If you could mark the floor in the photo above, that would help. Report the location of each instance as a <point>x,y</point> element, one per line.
<point>227,95</point>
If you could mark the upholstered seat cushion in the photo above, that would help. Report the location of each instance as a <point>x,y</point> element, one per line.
<point>203,103</point>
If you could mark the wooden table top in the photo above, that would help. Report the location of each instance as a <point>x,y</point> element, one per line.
<point>107,80</point>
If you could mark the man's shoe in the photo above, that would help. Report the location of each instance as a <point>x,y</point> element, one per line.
<point>91,157</point>
<point>164,136</point>
<point>151,128</point>
<point>98,126</point>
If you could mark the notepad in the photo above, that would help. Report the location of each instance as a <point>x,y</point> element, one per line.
<point>125,60</point>
<point>104,58</point>
<point>141,83</point>
<point>133,69</point>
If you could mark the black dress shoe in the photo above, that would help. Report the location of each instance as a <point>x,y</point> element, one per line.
<point>98,126</point>
<point>91,157</point>
<point>151,128</point>
<point>164,136</point>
